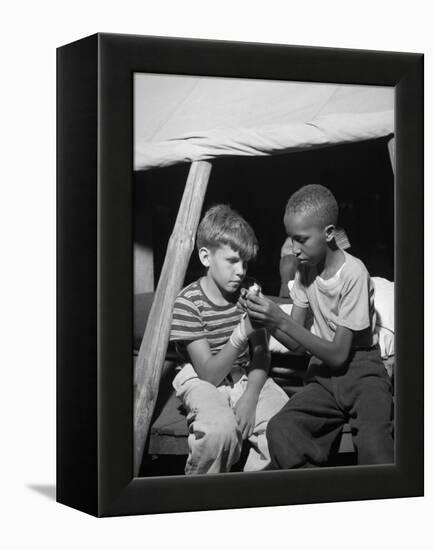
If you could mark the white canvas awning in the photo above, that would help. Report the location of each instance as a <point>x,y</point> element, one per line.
<point>185,119</point>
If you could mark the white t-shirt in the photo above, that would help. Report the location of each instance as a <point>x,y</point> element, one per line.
<point>346,299</point>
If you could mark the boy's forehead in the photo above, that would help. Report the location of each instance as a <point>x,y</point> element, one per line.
<point>227,250</point>
<point>300,222</point>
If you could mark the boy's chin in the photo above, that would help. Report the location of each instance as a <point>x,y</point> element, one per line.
<point>232,287</point>
<point>311,262</point>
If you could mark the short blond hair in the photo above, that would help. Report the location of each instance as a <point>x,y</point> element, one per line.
<point>222,225</point>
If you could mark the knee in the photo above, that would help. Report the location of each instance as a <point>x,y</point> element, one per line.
<point>374,443</point>
<point>284,442</point>
<point>280,426</point>
<point>224,434</point>
<point>273,427</point>
<point>372,430</point>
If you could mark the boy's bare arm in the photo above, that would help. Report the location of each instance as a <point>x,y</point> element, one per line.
<point>333,353</point>
<point>212,368</point>
<point>298,315</point>
<point>260,362</point>
<point>288,267</point>
<point>289,331</point>
<point>245,408</point>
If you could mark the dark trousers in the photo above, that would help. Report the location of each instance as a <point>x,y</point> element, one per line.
<point>302,434</point>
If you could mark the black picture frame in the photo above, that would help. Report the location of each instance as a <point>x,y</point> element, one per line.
<point>95,274</point>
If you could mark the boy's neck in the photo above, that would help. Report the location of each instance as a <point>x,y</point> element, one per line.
<point>334,259</point>
<point>214,292</point>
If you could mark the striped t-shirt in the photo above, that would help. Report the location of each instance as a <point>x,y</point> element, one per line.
<point>196,317</point>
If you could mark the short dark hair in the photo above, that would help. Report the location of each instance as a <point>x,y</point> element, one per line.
<point>316,200</point>
<point>222,225</point>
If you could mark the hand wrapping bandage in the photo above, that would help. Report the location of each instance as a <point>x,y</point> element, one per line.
<point>238,337</point>
<point>252,289</point>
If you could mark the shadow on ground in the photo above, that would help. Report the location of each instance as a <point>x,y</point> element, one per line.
<point>48,491</point>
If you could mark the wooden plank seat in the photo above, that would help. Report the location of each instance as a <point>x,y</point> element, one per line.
<point>169,430</point>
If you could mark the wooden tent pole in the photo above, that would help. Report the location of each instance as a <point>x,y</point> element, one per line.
<point>154,344</point>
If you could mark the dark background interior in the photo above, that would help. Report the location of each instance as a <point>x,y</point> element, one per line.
<point>359,175</point>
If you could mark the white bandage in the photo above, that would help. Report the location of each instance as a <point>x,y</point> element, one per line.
<point>254,289</point>
<point>239,337</point>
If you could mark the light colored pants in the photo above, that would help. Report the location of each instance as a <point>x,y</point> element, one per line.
<point>214,439</point>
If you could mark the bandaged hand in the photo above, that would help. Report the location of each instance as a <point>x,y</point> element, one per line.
<point>241,333</point>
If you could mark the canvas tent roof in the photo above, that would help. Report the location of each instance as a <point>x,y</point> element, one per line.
<point>185,119</point>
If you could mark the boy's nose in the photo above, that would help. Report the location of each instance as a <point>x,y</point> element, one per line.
<point>240,269</point>
<point>296,250</point>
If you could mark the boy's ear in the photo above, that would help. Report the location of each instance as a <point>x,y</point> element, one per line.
<point>330,231</point>
<point>204,254</point>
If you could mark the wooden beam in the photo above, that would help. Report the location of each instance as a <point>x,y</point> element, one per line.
<point>154,344</point>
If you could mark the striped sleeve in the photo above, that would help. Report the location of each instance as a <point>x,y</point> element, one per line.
<point>187,323</point>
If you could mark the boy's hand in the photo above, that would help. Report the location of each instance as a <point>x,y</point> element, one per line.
<point>253,290</point>
<point>251,287</point>
<point>245,413</point>
<point>248,326</point>
<point>265,312</point>
<point>242,300</point>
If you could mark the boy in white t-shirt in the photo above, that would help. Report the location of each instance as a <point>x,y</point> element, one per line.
<point>346,380</point>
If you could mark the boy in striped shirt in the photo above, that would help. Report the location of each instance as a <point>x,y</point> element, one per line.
<point>223,384</point>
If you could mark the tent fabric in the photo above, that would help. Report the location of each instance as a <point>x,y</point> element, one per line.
<point>185,119</point>
<point>268,140</point>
